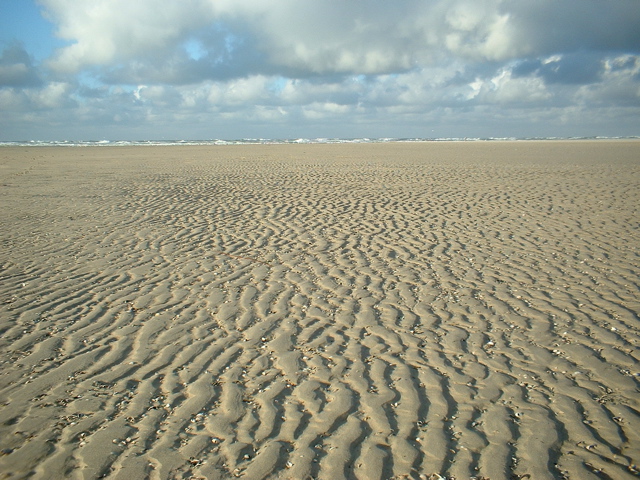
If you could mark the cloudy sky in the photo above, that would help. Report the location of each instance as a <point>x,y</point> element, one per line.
<point>204,69</point>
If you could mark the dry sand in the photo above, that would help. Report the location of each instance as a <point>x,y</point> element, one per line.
<point>321,311</point>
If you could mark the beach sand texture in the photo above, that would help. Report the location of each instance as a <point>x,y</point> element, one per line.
<point>368,311</point>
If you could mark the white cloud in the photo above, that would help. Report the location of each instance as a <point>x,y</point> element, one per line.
<point>318,110</point>
<point>53,95</point>
<point>477,29</point>
<point>254,90</point>
<point>504,89</point>
<point>317,37</point>
<point>118,30</point>
<point>332,36</point>
<point>11,100</point>
<point>619,84</point>
<point>136,92</point>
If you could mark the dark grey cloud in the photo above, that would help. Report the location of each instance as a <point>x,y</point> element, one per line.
<point>574,68</point>
<point>551,26</point>
<point>17,69</point>
<point>221,56</point>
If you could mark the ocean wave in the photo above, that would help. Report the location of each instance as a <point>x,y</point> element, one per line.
<point>270,141</point>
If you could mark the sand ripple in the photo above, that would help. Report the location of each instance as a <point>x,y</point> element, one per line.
<point>371,312</point>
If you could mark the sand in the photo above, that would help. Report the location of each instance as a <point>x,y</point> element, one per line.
<point>373,311</point>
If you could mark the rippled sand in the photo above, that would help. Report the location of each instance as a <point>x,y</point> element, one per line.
<point>366,311</point>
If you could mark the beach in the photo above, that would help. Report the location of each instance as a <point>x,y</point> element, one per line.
<point>370,311</point>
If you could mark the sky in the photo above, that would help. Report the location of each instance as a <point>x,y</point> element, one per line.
<point>231,69</point>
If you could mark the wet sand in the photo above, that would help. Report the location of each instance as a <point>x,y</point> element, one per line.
<point>373,311</point>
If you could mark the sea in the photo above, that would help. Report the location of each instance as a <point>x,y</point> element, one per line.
<point>270,141</point>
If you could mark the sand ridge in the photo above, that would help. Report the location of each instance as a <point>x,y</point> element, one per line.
<point>320,311</point>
